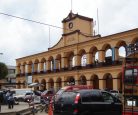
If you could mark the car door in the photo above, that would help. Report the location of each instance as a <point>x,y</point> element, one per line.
<point>85,105</point>
<point>110,104</point>
<point>65,104</point>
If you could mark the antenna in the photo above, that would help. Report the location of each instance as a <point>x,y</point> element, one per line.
<point>49,36</point>
<point>71,5</point>
<point>98,21</point>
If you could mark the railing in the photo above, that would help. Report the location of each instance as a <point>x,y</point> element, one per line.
<point>96,65</point>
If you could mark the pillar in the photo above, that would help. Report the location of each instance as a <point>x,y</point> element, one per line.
<point>41,66</point>
<point>115,84</point>
<point>89,58</point>
<point>35,67</point>
<point>101,84</point>
<point>88,82</point>
<point>116,54</point>
<point>77,60</point>
<point>101,56</point>
<point>48,66</point>
<point>64,63</point>
<point>29,68</point>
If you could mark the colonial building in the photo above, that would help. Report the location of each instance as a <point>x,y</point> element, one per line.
<point>80,57</point>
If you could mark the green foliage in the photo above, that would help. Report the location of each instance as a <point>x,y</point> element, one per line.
<point>3,70</point>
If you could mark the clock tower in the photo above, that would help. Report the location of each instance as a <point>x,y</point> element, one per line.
<point>75,22</point>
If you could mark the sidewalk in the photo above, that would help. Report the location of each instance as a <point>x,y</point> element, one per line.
<point>17,108</point>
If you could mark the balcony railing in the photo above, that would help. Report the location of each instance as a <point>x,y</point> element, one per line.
<point>96,65</point>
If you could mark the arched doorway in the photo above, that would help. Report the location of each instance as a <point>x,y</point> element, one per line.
<point>36,88</point>
<point>58,84</point>
<point>108,81</point>
<point>82,80</point>
<point>43,82</point>
<point>70,81</point>
<point>95,81</point>
<point>51,84</point>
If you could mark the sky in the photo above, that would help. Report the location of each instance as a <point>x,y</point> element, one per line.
<point>20,38</point>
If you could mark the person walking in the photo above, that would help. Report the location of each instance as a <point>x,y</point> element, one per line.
<point>10,101</point>
<point>7,96</point>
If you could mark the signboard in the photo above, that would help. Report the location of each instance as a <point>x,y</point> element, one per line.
<point>29,79</point>
<point>130,103</point>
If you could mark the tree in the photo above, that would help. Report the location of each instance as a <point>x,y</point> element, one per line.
<point>3,70</point>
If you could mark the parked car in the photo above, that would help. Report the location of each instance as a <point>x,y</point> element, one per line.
<point>19,94</point>
<point>47,94</point>
<point>87,102</point>
<point>71,88</point>
<point>28,96</point>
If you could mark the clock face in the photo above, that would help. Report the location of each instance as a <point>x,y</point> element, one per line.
<point>70,25</point>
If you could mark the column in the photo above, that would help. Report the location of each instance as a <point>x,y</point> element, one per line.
<point>41,67</point>
<point>101,84</point>
<point>101,56</point>
<point>21,69</point>
<point>89,59</point>
<point>115,84</point>
<point>116,52</point>
<point>35,67</point>
<point>48,66</point>
<point>77,60</point>
<point>64,63</point>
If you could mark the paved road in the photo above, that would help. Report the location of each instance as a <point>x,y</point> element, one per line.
<point>42,113</point>
<point>21,106</point>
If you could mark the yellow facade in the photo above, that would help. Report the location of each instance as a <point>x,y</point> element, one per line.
<point>73,59</point>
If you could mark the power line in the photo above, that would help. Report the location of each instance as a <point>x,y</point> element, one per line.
<point>38,22</point>
<point>30,20</point>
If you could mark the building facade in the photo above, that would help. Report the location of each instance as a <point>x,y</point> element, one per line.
<point>10,79</point>
<point>80,57</point>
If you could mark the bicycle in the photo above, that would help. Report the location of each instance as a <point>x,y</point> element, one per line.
<point>44,105</point>
<point>32,107</point>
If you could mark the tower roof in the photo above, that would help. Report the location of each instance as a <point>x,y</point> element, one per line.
<point>72,16</point>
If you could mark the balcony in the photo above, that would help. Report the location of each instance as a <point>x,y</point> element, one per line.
<point>90,66</point>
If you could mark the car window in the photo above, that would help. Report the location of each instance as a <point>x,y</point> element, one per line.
<point>68,97</point>
<point>96,96</point>
<point>86,97</point>
<point>29,93</point>
<point>107,97</point>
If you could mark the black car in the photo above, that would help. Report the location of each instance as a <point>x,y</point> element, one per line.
<point>87,102</point>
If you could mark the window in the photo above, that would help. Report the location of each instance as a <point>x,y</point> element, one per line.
<point>107,97</point>
<point>96,96</point>
<point>86,97</point>
<point>68,97</point>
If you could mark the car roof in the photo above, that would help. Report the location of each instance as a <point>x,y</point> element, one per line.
<point>87,90</point>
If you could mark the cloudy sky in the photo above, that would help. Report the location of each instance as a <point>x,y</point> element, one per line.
<point>20,38</point>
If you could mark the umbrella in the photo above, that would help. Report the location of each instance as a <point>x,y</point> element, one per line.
<point>35,85</point>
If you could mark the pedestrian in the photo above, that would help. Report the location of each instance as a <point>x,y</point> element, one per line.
<point>7,96</point>
<point>10,101</point>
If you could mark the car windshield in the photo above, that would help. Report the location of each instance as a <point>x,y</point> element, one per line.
<point>29,93</point>
<point>114,91</point>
